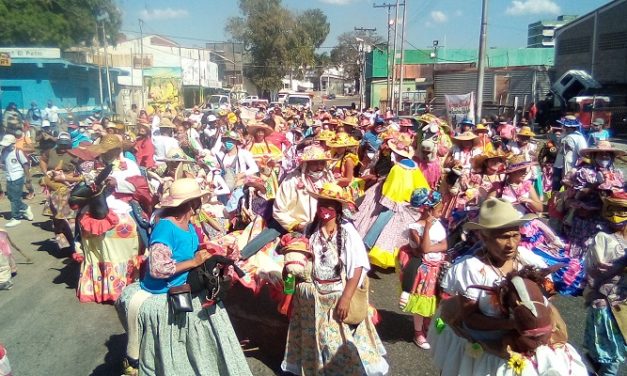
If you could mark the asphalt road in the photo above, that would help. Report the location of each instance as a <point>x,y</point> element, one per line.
<point>47,331</point>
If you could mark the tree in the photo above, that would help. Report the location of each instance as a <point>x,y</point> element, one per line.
<point>55,23</point>
<point>346,53</point>
<point>279,42</point>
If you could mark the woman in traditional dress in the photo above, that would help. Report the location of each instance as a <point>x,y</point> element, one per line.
<point>467,336</point>
<point>319,341</point>
<point>267,155</point>
<point>342,148</point>
<point>382,220</point>
<point>463,151</point>
<point>60,176</point>
<point>110,245</point>
<point>483,138</point>
<point>607,290</point>
<point>160,340</point>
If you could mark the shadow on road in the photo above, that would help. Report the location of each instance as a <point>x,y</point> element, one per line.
<point>395,327</point>
<point>68,275</point>
<point>116,345</point>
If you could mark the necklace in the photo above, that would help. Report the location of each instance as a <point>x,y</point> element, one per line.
<point>499,271</point>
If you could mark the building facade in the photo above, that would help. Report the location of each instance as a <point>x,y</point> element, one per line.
<point>541,34</point>
<point>597,44</point>
<point>40,74</point>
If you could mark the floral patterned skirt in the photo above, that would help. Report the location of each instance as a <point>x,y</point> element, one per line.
<point>319,345</point>
<point>111,262</point>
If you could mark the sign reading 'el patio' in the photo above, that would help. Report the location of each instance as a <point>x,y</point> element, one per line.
<point>32,53</point>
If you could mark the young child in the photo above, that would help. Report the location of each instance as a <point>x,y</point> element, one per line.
<point>7,262</point>
<point>421,262</point>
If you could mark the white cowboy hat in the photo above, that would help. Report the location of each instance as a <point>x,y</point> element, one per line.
<point>497,214</point>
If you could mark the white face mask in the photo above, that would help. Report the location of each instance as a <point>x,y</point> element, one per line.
<point>315,175</point>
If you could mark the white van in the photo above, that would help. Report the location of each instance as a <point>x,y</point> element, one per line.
<point>299,99</point>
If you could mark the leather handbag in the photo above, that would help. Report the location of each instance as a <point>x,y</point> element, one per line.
<point>358,309</point>
<point>180,299</point>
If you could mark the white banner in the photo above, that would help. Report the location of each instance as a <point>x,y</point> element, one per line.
<point>459,107</point>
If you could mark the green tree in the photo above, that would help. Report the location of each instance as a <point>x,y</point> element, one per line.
<point>347,55</point>
<point>55,23</point>
<point>278,41</point>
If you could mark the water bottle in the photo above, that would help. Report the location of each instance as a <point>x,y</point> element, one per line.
<point>289,284</point>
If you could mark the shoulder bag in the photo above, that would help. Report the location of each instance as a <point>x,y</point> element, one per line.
<point>358,309</point>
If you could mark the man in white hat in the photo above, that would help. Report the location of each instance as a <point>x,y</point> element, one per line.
<point>16,169</point>
<point>164,141</point>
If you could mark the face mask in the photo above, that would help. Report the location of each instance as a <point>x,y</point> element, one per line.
<point>604,163</point>
<point>315,175</point>
<point>228,145</point>
<point>325,215</point>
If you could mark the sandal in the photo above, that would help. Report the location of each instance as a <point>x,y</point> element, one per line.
<point>421,341</point>
<point>130,367</point>
<point>402,303</point>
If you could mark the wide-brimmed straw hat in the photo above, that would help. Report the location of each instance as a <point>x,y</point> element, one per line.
<point>602,147</point>
<point>107,143</point>
<point>401,148</point>
<point>325,135</point>
<point>293,242</point>
<point>466,136</point>
<point>332,191</point>
<point>615,207</point>
<point>517,163</point>
<point>254,127</point>
<point>314,153</point>
<point>350,121</point>
<point>181,191</point>
<point>343,140</point>
<point>166,123</point>
<point>526,131</point>
<point>478,161</point>
<point>495,214</point>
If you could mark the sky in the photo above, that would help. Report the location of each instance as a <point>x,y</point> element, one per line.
<point>454,23</point>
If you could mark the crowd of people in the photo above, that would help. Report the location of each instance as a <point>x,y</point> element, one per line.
<point>483,223</point>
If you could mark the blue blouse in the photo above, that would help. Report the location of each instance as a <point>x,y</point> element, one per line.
<point>183,245</point>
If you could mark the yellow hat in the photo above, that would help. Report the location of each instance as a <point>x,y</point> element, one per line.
<point>343,140</point>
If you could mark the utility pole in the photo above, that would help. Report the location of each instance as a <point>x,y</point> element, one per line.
<point>389,65</point>
<point>104,37</point>
<point>481,62</point>
<point>362,65</point>
<point>141,52</point>
<point>97,51</point>
<point>402,73</point>
<point>392,104</point>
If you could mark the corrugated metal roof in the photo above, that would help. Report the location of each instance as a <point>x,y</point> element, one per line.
<point>496,58</point>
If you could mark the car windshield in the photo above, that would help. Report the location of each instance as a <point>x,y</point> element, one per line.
<point>298,100</point>
<point>214,100</point>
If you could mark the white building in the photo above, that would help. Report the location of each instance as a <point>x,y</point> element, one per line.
<point>170,73</point>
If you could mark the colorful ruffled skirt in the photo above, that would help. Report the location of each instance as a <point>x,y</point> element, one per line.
<point>603,338</point>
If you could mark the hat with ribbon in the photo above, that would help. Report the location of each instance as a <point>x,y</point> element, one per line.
<point>181,191</point>
<point>166,123</point>
<point>350,121</point>
<point>495,214</point>
<point>480,128</point>
<point>517,163</point>
<point>293,242</point>
<point>569,121</point>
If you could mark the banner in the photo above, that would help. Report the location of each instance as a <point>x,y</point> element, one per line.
<point>459,107</point>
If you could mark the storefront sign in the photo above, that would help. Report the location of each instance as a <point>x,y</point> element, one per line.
<point>32,53</point>
<point>5,59</point>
